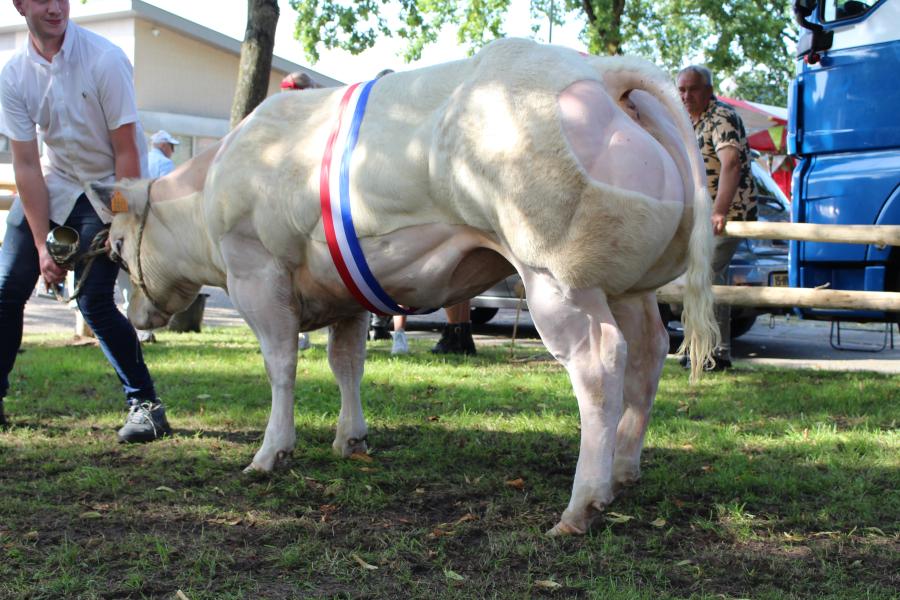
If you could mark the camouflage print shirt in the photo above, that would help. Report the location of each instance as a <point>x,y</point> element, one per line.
<point>720,126</point>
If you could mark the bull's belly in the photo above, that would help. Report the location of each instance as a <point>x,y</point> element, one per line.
<point>426,266</point>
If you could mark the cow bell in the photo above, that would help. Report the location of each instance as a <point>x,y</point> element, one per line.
<point>62,245</point>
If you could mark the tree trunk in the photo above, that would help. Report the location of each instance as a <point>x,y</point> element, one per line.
<point>256,58</point>
<point>606,23</point>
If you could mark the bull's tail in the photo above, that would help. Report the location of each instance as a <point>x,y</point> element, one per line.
<point>701,333</point>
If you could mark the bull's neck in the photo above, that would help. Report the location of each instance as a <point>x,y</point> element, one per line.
<point>179,235</point>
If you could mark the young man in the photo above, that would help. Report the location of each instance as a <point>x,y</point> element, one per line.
<point>726,154</point>
<point>76,89</point>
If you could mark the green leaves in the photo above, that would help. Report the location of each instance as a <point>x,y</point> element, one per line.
<point>744,43</point>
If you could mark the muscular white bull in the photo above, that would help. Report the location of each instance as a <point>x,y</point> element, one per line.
<point>580,173</point>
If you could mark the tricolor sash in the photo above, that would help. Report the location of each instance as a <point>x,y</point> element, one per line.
<point>334,196</point>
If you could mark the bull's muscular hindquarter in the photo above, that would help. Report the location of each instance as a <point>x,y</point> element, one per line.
<point>521,158</point>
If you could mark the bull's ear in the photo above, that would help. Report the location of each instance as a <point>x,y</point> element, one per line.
<point>119,198</point>
<point>102,192</point>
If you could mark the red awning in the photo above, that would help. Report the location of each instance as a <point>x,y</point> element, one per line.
<point>765,124</point>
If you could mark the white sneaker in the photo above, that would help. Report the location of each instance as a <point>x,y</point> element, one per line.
<point>400,345</point>
<point>303,342</point>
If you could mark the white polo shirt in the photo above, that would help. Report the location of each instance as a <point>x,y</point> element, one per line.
<point>73,102</point>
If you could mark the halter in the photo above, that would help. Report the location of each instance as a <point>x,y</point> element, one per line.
<point>139,272</point>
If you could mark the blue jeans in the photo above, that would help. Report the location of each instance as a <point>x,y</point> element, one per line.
<point>19,272</point>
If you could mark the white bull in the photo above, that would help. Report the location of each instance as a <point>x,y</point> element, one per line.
<point>580,173</point>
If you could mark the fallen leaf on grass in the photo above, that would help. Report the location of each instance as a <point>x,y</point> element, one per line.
<point>466,517</point>
<point>614,517</point>
<point>91,514</point>
<point>547,584</point>
<point>31,535</point>
<point>164,488</point>
<point>181,595</point>
<point>363,563</point>
<point>361,456</point>
<point>449,574</point>
<point>518,483</point>
<point>660,522</point>
<point>437,532</point>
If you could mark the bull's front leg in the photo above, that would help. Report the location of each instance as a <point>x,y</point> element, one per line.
<point>578,328</point>
<point>260,288</point>
<point>346,356</point>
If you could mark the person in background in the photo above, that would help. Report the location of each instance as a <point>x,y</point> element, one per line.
<point>161,151</point>
<point>456,337</point>
<point>102,140</point>
<point>726,154</point>
<point>298,80</point>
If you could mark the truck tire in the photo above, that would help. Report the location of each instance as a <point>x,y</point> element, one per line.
<point>741,325</point>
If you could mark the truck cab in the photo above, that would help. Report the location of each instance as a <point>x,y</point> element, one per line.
<point>844,128</point>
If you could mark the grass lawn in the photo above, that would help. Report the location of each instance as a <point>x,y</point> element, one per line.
<point>762,483</point>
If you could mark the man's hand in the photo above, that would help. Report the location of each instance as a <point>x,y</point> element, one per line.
<point>51,272</point>
<point>718,222</point>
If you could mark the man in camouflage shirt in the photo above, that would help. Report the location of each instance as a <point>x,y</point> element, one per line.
<point>726,154</point>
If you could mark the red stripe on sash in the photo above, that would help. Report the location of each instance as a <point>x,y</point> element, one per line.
<point>325,202</point>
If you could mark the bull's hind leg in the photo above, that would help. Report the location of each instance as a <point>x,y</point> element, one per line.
<point>578,328</point>
<point>346,356</point>
<point>648,343</point>
<point>260,289</point>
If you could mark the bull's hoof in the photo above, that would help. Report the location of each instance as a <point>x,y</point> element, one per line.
<point>255,469</point>
<point>577,522</point>
<point>265,465</point>
<point>623,484</point>
<point>562,528</point>
<point>350,447</point>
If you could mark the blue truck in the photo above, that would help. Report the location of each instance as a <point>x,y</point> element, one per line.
<point>844,128</point>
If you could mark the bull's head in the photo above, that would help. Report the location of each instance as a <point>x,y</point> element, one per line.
<point>137,237</point>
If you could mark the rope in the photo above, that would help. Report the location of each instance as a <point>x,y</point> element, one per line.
<point>96,248</point>
<point>140,238</point>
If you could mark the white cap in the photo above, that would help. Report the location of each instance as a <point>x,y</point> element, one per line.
<point>162,136</point>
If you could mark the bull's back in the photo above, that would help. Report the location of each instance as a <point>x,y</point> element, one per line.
<point>476,142</point>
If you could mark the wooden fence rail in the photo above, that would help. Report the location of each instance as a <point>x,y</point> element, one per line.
<point>880,235</point>
<point>740,295</point>
<point>743,295</point>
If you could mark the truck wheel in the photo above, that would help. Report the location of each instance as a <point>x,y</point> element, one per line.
<point>481,314</point>
<point>741,325</point>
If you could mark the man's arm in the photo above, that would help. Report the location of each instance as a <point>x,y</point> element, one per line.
<point>36,201</point>
<point>125,151</point>
<point>729,177</point>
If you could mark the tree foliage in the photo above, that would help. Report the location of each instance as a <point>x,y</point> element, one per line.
<point>745,42</point>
